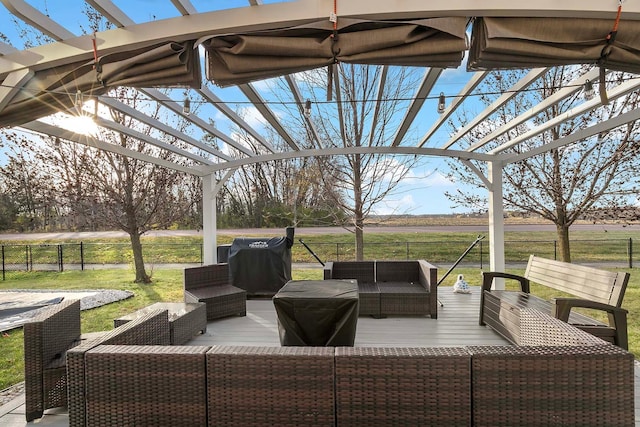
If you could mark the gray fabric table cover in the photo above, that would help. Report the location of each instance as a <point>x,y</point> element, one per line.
<point>317,312</point>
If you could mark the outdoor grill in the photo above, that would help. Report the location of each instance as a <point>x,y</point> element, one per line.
<point>261,266</point>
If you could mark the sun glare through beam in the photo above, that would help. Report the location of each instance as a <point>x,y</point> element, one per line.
<point>81,124</point>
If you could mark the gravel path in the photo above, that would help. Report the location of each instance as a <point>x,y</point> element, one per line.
<point>12,298</point>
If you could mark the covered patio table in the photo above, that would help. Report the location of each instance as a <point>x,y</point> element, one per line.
<point>317,312</point>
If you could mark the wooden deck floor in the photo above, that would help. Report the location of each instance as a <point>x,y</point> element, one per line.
<point>456,325</point>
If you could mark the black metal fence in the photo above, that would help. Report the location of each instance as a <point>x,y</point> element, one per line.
<point>78,256</point>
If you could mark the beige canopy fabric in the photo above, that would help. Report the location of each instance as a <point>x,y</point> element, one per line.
<point>54,89</point>
<point>504,43</point>
<point>241,58</point>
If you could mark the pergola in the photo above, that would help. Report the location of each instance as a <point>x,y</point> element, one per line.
<point>44,79</point>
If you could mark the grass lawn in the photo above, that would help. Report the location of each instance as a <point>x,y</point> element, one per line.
<point>167,286</point>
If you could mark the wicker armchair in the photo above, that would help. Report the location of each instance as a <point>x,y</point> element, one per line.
<point>46,340</point>
<point>210,284</point>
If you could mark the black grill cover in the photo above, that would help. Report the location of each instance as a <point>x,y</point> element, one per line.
<point>260,266</point>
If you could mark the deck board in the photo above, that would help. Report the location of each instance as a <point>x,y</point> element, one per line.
<point>456,325</point>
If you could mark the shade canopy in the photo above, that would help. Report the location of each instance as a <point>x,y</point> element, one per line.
<point>241,58</point>
<point>508,42</point>
<point>52,90</point>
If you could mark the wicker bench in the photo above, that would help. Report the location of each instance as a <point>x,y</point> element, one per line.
<point>210,284</point>
<point>560,375</point>
<point>593,288</point>
<point>391,287</point>
<point>150,329</point>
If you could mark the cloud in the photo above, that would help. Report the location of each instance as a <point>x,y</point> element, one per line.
<point>437,179</point>
<point>392,205</point>
<point>253,117</point>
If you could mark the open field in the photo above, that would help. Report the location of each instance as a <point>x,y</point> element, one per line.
<point>610,245</point>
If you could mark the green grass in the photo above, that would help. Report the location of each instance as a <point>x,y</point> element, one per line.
<point>439,248</point>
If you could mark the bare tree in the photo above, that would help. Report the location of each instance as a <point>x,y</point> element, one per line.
<point>30,189</point>
<point>114,190</point>
<point>564,184</point>
<point>362,181</point>
<point>273,194</point>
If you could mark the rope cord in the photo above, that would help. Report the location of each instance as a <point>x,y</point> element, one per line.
<point>604,55</point>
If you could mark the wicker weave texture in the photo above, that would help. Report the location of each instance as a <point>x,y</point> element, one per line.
<point>210,284</point>
<point>46,338</point>
<point>403,387</point>
<point>362,271</point>
<point>564,386</point>
<point>369,299</point>
<point>404,298</point>
<point>541,329</point>
<point>151,329</point>
<point>270,386</point>
<point>146,385</point>
<point>185,319</point>
<point>404,287</point>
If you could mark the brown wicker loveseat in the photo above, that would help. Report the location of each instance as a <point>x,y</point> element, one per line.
<point>391,287</point>
<point>558,375</point>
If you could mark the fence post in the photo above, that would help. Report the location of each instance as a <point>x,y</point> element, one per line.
<point>2,262</point>
<point>407,250</point>
<point>81,256</point>
<point>630,251</point>
<point>481,253</point>
<point>555,249</point>
<point>61,249</point>
<point>26,255</point>
<point>337,251</point>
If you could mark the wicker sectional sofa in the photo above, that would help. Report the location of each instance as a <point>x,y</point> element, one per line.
<point>559,375</point>
<point>391,287</point>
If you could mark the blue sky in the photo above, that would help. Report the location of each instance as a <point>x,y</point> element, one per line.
<point>422,192</point>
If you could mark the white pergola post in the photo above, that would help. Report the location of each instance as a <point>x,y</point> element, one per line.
<point>496,222</point>
<point>209,226</point>
<point>210,189</point>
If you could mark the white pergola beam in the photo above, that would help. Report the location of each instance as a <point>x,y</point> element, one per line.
<point>113,13</point>
<point>614,93</point>
<point>177,108</point>
<point>157,124</point>
<point>475,80</point>
<point>276,15</point>
<point>33,17</point>
<point>12,85</point>
<point>523,83</point>
<point>428,81</point>
<point>345,151</point>
<point>382,83</point>
<point>253,96</point>
<point>234,117</point>
<point>184,7</point>
<point>297,96</point>
<point>551,100</point>
<point>579,135</point>
<point>51,130</point>
<point>335,70</point>
<point>117,127</point>
<point>496,222</point>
